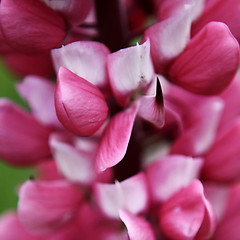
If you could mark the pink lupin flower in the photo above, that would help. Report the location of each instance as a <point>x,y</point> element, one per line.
<point>218,195</point>
<point>199,132</point>
<point>11,228</point>
<point>39,94</point>
<point>222,159</point>
<point>80,106</point>
<point>168,38</point>
<point>130,72</point>
<point>129,78</point>
<point>194,64</point>
<point>185,115</point>
<point>45,206</point>
<point>219,10</point>
<point>115,139</point>
<point>214,68</point>
<point>81,58</point>
<point>229,222</point>
<point>131,195</point>
<point>231,98</point>
<point>126,160</point>
<point>169,174</point>
<point>188,214</point>
<point>168,8</point>
<point>23,140</point>
<point>138,228</point>
<point>48,171</point>
<point>26,64</point>
<point>31,22</point>
<point>75,11</point>
<point>151,107</point>
<point>76,161</point>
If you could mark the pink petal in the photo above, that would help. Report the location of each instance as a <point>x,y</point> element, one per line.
<point>104,229</point>
<point>80,106</point>
<point>209,61</point>
<point>37,64</point>
<point>218,195</point>
<point>44,207</point>
<point>151,107</point>
<point>4,47</point>
<point>171,8</point>
<point>75,160</point>
<point>75,11</point>
<point>47,171</point>
<point>183,216</point>
<point>138,228</point>
<point>198,136</point>
<point>168,39</point>
<point>12,229</point>
<point>114,142</point>
<point>31,22</point>
<point>231,97</point>
<point>209,222</point>
<point>222,160</point>
<point>81,58</point>
<point>173,119</point>
<point>170,174</point>
<point>228,228</point>
<point>131,195</point>
<point>75,165</point>
<point>23,141</point>
<point>130,70</point>
<point>222,11</point>
<point>39,93</point>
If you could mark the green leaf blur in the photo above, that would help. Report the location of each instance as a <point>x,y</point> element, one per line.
<point>10,177</point>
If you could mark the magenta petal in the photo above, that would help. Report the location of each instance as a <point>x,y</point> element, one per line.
<point>228,227</point>
<point>183,216</point>
<point>31,22</point>
<point>168,39</point>
<point>209,62</point>
<point>222,11</point>
<point>151,111</point>
<point>12,229</point>
<point>76,162</point>
<point>199,135</point>
<point>47,171</point>
<point>231,97</point>
<point>222,160</point>
<point>80,106</point>
<point>4,47</point>
<point>170,174</point>
<point>218,196</point>
<point>130,194</point>
<point>138,228</point>
<point>171,8</point>
<point>26,64</point>
<point>114,142</point>
<point>151,107</point>
<point>209,222</point>
<point>23,141</point>
<point>75,11</point>
<point>39,93</point>
<point>130,70</point>
<point>75,165</point>
<point>44,207</point>
<point>81,58</point>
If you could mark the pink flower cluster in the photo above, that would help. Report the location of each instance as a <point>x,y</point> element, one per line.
<point>135,140</point>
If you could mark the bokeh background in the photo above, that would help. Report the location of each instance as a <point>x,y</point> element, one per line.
<point>10,177</point>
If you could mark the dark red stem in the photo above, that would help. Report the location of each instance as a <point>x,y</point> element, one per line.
<point>112,26</point>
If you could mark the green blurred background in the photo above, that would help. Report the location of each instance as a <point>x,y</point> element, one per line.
<point>10,177</point>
